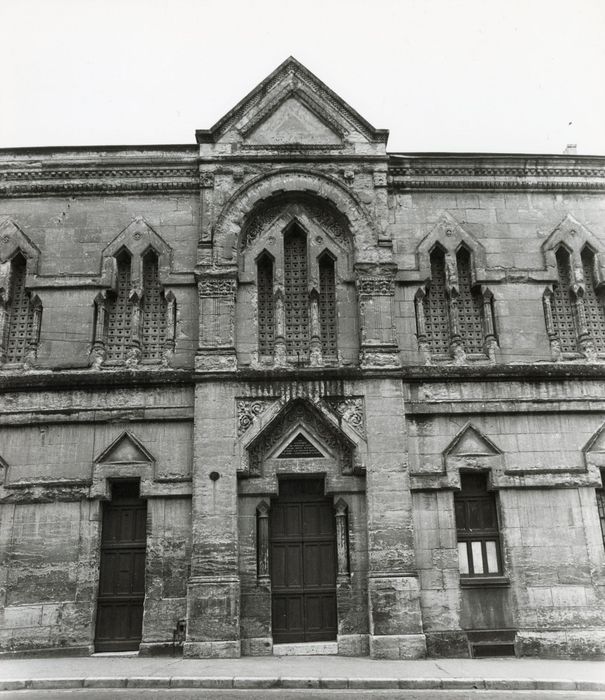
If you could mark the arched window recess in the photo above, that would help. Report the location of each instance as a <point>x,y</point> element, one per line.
<point>297,301</point>
<point>574,305</point>
<point>20,315</point>
<point>135,319</point>
<point>455,319</point>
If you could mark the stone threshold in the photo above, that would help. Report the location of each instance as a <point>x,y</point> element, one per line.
<point>306,649</point>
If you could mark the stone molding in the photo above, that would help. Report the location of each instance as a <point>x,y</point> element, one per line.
<point>478,172</point>
<point>263,424</point>
<point>240,206</point>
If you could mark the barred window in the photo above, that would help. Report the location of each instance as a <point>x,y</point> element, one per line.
<point>119,313</point>
<point>20,321</point>
<point>327,305</point>
<point>601,505</point>
<point>593,301</point>
<point>436,306</point>
<point>470,306</point>
<point>154,310</point>
<point>266,309</point>
<point>563,312</point>
<point>296,285</point>
<point>477,527</point>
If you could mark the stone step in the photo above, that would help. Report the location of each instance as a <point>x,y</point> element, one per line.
<point>306,649</point>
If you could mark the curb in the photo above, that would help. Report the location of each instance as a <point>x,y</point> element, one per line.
<point>277,682</point>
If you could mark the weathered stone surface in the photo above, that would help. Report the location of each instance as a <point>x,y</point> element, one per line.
<point>201,421</point>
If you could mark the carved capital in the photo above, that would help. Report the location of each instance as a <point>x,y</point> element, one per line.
<point>217,287</point>
<point>376,286</point>
<point>206,180</point>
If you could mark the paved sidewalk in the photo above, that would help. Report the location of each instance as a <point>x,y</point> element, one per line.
<point>299,672</point>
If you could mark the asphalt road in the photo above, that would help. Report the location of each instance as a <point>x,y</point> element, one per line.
<point>203,694</point>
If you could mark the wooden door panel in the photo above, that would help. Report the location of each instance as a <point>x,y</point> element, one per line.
<point>303,565</point>
<point>122,575</point>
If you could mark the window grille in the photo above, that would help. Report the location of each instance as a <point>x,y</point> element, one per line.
<point>20,324</point>
<point>479,551</point>
<point>296,292</point>
<point>266,308</point>
<point>436,306</point>
<point>118,314</point>
<point>563,308</point>
<point>593,302</point>
<point>601,506</point>
<point>327,306</point>
<point>470,306</point>
<point>154,310</point>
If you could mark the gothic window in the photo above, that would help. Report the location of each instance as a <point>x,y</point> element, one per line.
<point>154,310</point>
<point>296,287</point>
<point>19,328</point>
<point>327,305</point>
<point>477,527</point>
<point>119,312</point>
<point>563,303</point>
<point>470,306</point>
<point>593,301</point>
<point>436,306</point>
<point>601,505</point>
<point>266,311</point>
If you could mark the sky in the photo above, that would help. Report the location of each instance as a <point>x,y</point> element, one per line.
<point>442,75</point>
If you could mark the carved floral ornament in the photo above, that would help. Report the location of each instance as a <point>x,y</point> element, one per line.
<point>349,409</point>
<point>376,286</point>
<point>217,287</point>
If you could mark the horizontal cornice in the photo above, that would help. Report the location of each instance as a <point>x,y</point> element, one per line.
<point>165,169</point>
<point>412,374</point>
<point>496,172</point>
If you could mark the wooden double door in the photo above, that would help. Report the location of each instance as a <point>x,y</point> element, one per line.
<point>122,575</point>
<point>303,563</point>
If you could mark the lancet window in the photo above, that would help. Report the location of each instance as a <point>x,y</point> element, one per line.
<point>136,321</point>
<point>119,312</point>
<point>296,292</point>
<point>455,317</point>
<point>154,310</point>
<point>436,311</point>
<point>266,311</point>
<point>470,306</point>
<point>297,311</point>
<point>21,315</point>
<point>575,306</point>
<point>327,305</point>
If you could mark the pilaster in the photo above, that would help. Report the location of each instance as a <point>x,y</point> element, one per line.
<point>393,590</point>
<point>376,293</point>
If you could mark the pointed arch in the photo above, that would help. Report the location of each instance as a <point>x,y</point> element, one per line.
<point>300,417</point>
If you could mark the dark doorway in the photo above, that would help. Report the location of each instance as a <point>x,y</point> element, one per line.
<point>122,575</point>
<point>303,563</point>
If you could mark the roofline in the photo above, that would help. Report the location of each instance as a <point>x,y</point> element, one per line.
<point>209,135</point>
<point>489,154</point>
<point>99,147</point>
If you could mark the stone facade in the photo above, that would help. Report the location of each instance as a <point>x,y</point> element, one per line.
<point>184,317</point>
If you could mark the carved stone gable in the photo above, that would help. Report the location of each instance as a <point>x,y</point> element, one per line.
<point>293,122</point>
<point>470,442</point>
<point>293,108</point>
<point>300,416</point>
<point>125,449</point>
<point>300,448</point>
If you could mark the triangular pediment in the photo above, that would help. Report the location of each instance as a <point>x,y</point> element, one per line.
<point>300,447</point>
<point>293,122</point>
<point>125,449</point>
<point>292,107</point>
<point>470,442</point>
<point>596,442</point>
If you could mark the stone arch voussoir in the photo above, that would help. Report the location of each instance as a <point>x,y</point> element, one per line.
<point>226,232</point>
